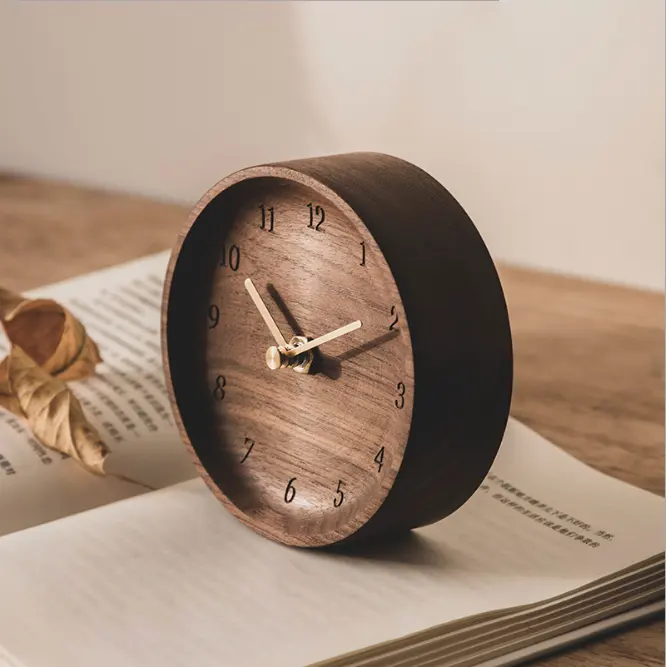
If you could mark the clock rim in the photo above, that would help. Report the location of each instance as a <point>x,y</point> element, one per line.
<point>430,241</point>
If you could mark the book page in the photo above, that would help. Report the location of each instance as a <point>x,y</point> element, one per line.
<point>175,580</point>
<point>126,401</point>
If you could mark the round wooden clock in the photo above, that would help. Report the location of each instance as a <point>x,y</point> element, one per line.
<point>337,348</point>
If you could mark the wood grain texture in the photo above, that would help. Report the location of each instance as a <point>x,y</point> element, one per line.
<point>52,231</point>
<point>590,371</point>
<point>436,409</point>
<point>589,358</point>
<point>310,478</point>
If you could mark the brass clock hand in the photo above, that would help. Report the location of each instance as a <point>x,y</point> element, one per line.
<point>263,311</point>
<point>298,354</point>
<point>332,335</point>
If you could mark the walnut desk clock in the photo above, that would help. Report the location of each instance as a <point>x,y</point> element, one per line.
<point>337,348</point>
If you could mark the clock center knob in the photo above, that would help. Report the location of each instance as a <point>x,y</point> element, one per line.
<point>276,357</point>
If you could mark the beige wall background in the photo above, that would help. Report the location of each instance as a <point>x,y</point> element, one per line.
<point>545,118</point>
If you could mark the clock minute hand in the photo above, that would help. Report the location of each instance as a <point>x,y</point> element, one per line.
<point>299,349</point>
<point>263,311</point>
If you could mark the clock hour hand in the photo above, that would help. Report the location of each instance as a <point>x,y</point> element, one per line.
<point>266,316</point>
<point>332,335</point>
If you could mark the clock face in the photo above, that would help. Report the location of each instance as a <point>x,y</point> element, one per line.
<point>304,457</point>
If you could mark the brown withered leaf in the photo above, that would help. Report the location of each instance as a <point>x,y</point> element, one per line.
<point>49,334</point>
<point>54,414</point>
<point>9,402</point>
<point>6,399</point>
<point>9,301</point>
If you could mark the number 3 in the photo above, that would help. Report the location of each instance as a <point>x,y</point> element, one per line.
<point>400,401</point>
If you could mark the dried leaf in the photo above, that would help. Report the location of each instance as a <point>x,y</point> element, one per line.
<point>10,403</point>
<point>9,301</point>
<point>76,355</point>
<point>47,340</point>
<point>54,414</point>
<point>4,378</point>
<point>49,334</point>
<point>7,401</point>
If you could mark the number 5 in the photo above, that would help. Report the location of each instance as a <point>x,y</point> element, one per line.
<point>337,501</point>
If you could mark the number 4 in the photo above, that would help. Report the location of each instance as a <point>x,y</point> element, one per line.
<point>379,459</point>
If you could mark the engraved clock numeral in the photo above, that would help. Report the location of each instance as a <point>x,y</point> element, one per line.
<point>394,311</point>
<point>379,459</point>
<point>213,316</point>
<point>267,218</point>
<point>218,391</point>
<point>290,491</point>
<point>248,441</point>
<point>400,401</point>
<point>339,495</point>
<point>362,253</point>
<point>232,258</point>
<point>316,212</point>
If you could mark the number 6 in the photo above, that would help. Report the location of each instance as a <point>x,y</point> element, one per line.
<point>290,491</point>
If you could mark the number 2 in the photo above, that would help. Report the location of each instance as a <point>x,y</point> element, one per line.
<point>394,311</point>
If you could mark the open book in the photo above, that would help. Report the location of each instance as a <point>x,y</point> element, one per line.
<point>98,571</point>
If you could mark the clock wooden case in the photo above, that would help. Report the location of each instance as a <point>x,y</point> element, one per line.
<point>337,348</point>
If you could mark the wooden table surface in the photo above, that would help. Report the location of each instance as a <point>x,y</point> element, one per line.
<point>589,357</point>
